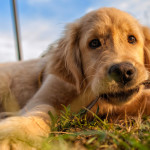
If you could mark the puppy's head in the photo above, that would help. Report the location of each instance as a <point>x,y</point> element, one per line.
<point>106,50</point>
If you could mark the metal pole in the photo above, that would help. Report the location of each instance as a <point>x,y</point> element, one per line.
<point>15,18</point>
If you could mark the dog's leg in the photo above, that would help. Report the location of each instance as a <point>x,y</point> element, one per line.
<point>33,121</point>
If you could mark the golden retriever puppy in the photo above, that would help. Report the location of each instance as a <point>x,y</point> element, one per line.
<point>105,55</point>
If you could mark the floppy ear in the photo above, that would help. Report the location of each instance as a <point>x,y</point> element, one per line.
<point>66,61</point>
<point>146,32</point>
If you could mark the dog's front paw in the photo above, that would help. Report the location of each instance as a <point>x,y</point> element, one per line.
<point>21,133</point>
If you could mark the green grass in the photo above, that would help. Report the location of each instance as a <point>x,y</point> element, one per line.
<point>75,131</point>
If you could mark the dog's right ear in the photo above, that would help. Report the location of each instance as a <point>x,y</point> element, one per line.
<point>66,58</point>
<point>146,32</point>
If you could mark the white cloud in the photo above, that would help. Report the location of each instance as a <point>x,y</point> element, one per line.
<point>7,47</point>
<point>37,35</point>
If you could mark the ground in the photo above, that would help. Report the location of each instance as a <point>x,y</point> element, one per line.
<point>74,131</point>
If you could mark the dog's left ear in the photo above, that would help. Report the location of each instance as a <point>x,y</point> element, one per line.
<point>66,60</point>
<point>146,32</point>
<point>73,55</point>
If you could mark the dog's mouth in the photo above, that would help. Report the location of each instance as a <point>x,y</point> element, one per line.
<point>120,97</point>
<point>124,96</point>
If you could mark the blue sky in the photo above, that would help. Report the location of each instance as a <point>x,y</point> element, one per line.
<point>42,21</point>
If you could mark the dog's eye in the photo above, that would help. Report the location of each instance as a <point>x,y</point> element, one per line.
<point>95,44</point>
<point>131,39</point>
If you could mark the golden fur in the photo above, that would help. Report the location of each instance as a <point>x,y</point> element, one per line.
<point>70,72</point>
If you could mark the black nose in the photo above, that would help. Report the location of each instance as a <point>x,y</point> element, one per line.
<point>122,73</point>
